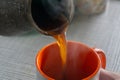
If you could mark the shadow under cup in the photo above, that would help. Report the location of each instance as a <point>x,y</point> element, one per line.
<point>82,62</point>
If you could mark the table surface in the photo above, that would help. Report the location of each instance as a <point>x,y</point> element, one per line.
<point>17,52</point>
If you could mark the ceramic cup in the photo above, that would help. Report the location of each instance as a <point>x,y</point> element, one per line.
<point>83,62</point>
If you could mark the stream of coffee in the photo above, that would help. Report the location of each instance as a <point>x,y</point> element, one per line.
<point>52,18</point>
<point>61,41</point>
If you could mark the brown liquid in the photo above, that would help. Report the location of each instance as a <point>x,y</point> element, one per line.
<point>61,41</point>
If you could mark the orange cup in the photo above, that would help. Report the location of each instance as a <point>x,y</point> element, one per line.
<point>83,62</point>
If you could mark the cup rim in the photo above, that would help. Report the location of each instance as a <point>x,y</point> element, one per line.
<point>38,63</point>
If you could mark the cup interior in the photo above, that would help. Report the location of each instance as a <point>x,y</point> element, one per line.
<point>82,62</point>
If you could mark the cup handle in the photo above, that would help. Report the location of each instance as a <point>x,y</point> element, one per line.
<point>101,54</point>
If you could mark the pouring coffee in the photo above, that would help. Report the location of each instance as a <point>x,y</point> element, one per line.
<point>52,18</point>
